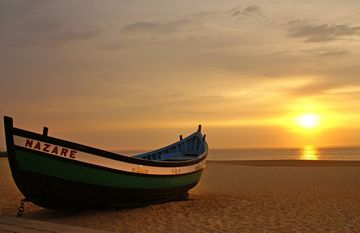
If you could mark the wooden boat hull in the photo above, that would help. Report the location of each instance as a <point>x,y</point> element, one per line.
<point>57,181</point>
<point>57,193</point>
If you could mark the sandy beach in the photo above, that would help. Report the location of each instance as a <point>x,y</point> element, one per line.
<point>241,196</point>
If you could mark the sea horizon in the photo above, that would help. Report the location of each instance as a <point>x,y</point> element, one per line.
<point>338,153</point>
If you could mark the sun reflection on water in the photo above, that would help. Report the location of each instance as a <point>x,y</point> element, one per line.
<point>309,153</point>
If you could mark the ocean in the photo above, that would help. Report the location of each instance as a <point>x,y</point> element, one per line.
<point>305,153</point>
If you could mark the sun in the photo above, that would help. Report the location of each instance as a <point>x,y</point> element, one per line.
<point>308,121</point>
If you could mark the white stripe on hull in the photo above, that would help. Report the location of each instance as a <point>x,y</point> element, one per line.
<point>72,154</point>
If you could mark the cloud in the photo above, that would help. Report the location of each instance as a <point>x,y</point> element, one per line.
<point>316,52</point>
<point>144,27</point>
<point>54,36</point>
<point>333,53</point>
<point>315,88</point>
<point>195,21</point>
<point>162,28</point>
<point>25,24</point>
<point>324,86</point>
<point>143,34</point>
<point>251,10</point>
<point>321,33</point>
<point>203,31</point>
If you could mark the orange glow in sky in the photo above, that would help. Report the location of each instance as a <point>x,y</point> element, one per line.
<point>135,74</point>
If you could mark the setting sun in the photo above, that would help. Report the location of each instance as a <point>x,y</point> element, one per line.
<point>308,121</point>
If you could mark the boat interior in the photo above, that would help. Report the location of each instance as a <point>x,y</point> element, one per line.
<point>189,148</point>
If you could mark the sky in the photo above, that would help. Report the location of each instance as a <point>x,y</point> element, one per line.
<point>123,75</point>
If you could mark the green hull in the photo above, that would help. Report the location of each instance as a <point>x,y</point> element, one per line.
<point>65,169</point>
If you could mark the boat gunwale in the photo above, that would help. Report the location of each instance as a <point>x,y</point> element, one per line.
<point>12,131</point>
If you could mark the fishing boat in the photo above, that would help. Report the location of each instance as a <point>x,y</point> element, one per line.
<point>54,173</point>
